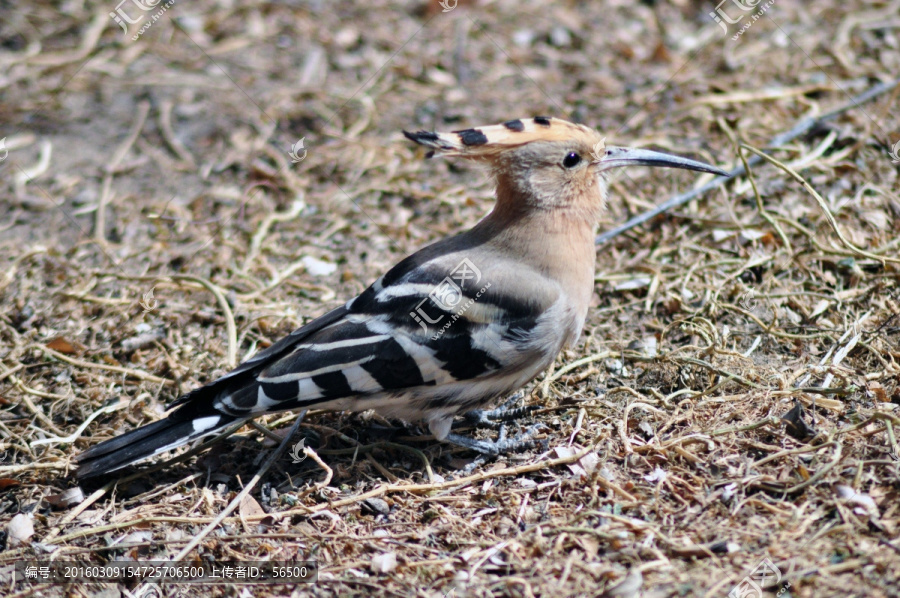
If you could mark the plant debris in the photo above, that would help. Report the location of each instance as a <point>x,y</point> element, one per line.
<point>178,196</point>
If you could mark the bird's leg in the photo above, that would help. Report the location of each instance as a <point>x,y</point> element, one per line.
<point>502,445</point>
<point>495,418</point>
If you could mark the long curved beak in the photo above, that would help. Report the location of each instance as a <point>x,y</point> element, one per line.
<point>626,156</point>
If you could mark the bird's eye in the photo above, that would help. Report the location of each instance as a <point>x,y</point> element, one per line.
<point>571,160</point>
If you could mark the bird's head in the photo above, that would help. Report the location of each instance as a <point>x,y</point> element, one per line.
<point>548,163</point>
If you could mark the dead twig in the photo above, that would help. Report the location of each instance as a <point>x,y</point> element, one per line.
<point>236,501</point>
<point>143,109</point>
<point>822,205</point>
<point>799,129</point>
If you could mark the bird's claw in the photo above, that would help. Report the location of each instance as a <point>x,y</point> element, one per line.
<point>503,445</point>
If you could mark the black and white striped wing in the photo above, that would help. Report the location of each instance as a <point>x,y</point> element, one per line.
<point>413,330</point>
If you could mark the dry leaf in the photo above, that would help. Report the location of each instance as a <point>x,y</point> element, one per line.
<point>62,345</point>
<point>72,496</point>
<point>317,267</point>
<point>657,475</point>
<point>20,528</point>
<point>794,424</point>
<point>384,563</point>
<point>628,588</point>
<point>251,508</point>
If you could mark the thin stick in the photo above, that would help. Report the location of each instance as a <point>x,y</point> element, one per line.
<point>77,433</point>
<point>8,470</point>
<point>732,136</point>
<point>328,472</point>
<point>263,230</point>
<point>226,311</point>
<point>212,288</point>
<point>38,413</point>
<point>822,204</point>
<point>12,371</point>
<point>140,375</point>
<point>420,488</point>
<point>100,219</point>
<point>97,495</point>
<point>165,125</point>
<point>276,454</point>
<point>799,129</point>
<point>379,491</point>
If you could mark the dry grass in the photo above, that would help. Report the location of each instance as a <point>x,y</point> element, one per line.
<point>162,165</point>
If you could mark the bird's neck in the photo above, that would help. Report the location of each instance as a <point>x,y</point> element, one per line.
<point>558,243</point>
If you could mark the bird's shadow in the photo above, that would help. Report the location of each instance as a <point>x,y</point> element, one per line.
<point>355,449</point>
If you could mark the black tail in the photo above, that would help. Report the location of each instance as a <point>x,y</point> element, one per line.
<point>196,415</point>
<point>179,428</point>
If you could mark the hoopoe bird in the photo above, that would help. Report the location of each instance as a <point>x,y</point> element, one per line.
<point>449,329</point>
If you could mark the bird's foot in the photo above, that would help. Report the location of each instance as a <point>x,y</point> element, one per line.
<point>490,449</point>
<point>503,445</point>
<point>495,418</point>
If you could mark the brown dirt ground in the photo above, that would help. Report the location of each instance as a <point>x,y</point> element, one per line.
<point>134,164</point>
